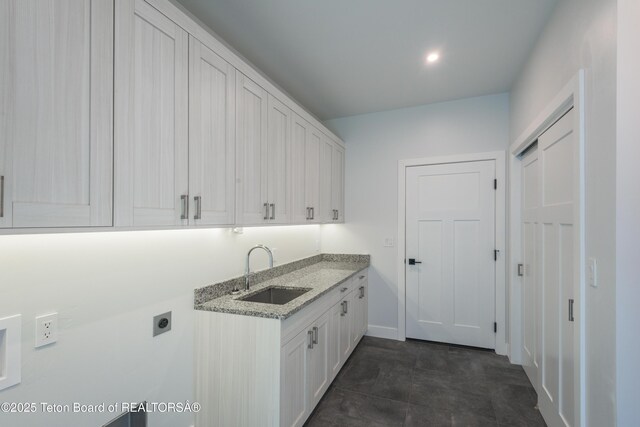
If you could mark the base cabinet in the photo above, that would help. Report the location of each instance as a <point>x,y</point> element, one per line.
<point>271,372</point>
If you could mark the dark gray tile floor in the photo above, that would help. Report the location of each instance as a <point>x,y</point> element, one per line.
<point>417,383</point>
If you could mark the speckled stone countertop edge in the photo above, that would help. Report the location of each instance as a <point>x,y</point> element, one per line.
<point>321,273</point>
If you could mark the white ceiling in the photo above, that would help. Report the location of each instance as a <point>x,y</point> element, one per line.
<point>345,57</point>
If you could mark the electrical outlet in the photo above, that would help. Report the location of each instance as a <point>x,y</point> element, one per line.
<point>388,242</point>
<point>161,323</point>
<point>46,329</point>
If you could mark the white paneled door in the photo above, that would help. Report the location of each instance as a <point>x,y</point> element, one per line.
<point>530,288</point>
<point>555,269</point>
<point>450,243</point>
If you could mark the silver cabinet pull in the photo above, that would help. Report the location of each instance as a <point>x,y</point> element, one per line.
<point>337,214</point>
<point>346,307</point>
<point>361,277</point>
<point>2,196</point>
<point>185,206</point>
<point>313,213</point>
<point>571,319</point>
<point>197,200</point>
<point>343,289</point>
<point>273,211</point>
<point>315,335</point>
<point>308,213</point>
<point>310,334</point>
<point>343,312</point>
<point>361,292</point>
<point>266,211</point>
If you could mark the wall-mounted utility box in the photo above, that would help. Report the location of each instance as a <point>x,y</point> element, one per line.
<point>10,342</point>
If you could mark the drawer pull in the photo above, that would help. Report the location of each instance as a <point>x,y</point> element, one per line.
<point>315,335</point>
<point>343,289</point>
<point>310,334</point>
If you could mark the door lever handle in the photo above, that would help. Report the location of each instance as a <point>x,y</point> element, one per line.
<point>412,261</point>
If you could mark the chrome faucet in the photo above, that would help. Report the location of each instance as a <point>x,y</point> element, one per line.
<point>247,270</point>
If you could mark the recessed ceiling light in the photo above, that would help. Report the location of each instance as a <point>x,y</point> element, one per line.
<point>433,57</point>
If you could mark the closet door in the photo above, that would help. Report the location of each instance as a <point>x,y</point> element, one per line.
<point>151,117</point>
<point>558,160</point>
<point>530,282</point>
<point>252,205</point>
<point>211,136</point>
<point>56,103</point>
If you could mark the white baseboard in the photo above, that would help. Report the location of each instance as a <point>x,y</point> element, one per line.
<point>382,332</point>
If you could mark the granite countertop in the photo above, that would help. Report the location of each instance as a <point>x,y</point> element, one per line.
<point>320,273</point>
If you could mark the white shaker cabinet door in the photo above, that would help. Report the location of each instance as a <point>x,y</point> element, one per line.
<point>300,210</point>
<point>337,183</point>
<point>252,206</point>
<point>326,212</point>
<point>312,173</point>
<point>211,137</point>
<point>151,117</point>
<point>294,406</point>
<point>279,162</point>
<point>56,104</point>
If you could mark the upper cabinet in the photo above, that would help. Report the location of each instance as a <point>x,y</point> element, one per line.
<point>252,206</point>
<point>263,133</point>
<point>305,172</point>
<point>56,104</point>
<point>128,113</point>
<point>211,136</point>
<point>337,183</point>
<point>331,181</point>
<point>152,105</point>
<point>175,152</point>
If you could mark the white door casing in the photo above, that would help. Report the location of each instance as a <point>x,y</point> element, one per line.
<point>450,228</point>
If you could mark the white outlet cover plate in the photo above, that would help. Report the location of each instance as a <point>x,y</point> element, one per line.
<point>46,329</point>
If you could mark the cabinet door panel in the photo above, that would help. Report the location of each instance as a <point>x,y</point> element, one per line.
<point>312,173</point>
<point>335,353</point>
<point>299,140</point>
<point>251,151</point>
<point>211,136</point>
<point>279,169</point>
<point>337,182</point>
<point>346,326</point>
<point>326,200</point>
<point>293,402</point>
<point>151,117</point>
<point>318,367</point>
<point>56,104</point>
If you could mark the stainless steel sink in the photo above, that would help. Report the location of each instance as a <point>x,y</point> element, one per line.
<point>275,295</point>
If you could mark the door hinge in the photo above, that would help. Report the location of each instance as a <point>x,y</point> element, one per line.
<point>495,184</point>
<point>495,327</point>
<point>495,254</point>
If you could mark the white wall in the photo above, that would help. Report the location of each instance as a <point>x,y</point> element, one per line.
<point>106,288</point>
<point>375,142</point>
<point>582,34</point>
<point>627,214</point>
